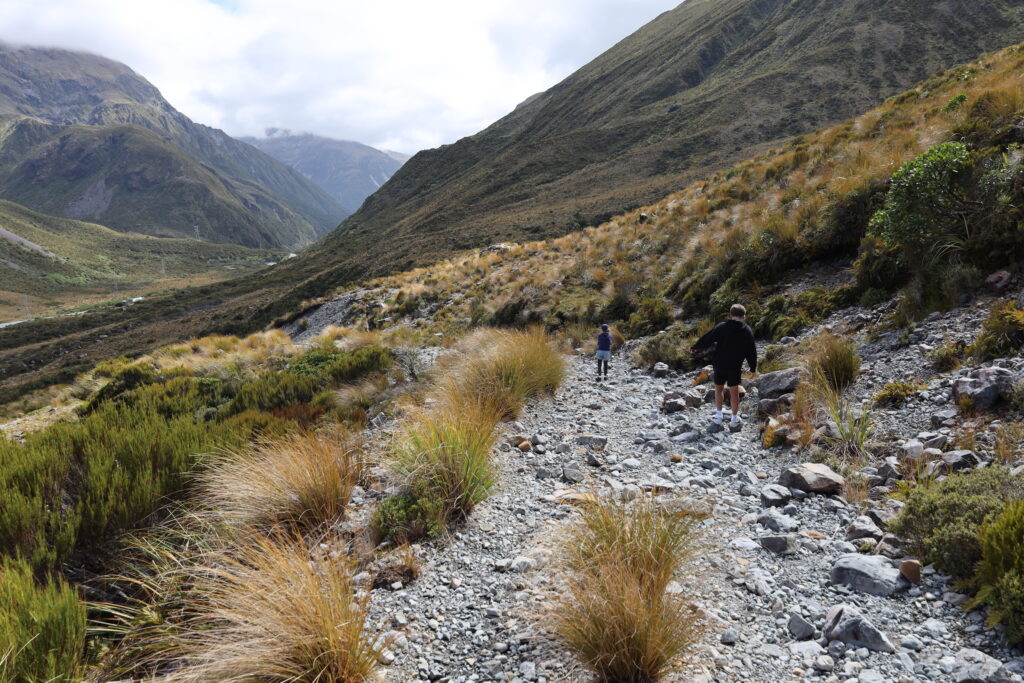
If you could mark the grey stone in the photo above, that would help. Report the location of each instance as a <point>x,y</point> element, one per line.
<point>944,417</point>
<point>775,495</point>
<point>973,666</point>
<point>959,460</point>
<point>812,477</point>
<point>660,370</point>
<point>572,474</point>
<point>776,384</point>
<point>846,623</point>
<point>783,544</point>
<point>800,628</point>
<point>729,637</point>
<point>592,441</point>
<point>985,387</point>
<point>776,521</point>
<point>863,527</point>
<point>824,663</point>
<point>867,574</point>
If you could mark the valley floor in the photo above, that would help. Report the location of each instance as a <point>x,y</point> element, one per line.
<point>474,614</point>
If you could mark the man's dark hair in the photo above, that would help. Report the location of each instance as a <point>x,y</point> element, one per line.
<point>737,311</point>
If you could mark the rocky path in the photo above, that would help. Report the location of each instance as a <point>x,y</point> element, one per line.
<point>473,614</point>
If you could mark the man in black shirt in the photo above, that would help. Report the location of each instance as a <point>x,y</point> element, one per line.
<point>733,342</point>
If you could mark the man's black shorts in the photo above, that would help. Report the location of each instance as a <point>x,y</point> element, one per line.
<point>728,375</point>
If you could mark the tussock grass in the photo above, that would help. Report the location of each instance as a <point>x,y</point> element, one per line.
<point>503,369</point>
<point>266,610</point>
<point>832,362</point>
<point>303,479</point>
<point>451,449</point>
<point>614,613</point>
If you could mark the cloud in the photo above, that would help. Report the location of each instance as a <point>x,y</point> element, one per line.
<point>397,74</point>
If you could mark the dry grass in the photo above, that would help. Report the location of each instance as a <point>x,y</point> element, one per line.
<point>1008,442</point>
<point>503,369</point>
<point>615,614</point>
<point>303,479</point>
<point>271,611</point>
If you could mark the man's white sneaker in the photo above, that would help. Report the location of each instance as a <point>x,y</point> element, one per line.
<point>735,424</point>
<point>717,419</point>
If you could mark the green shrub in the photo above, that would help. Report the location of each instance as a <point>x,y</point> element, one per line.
<point>74,484</point>
<point>652,315</point>
<point>1000,576</point>
<point>342,366</point>
<point>409,516</point>
<point>1002,333</point>
<point>122,381</point>
<point>955,102</point>
<point>42,627</point>
<point>671,348</point>
<point>272,391</point>
<point>878,270</point>
<point>942,520</point>
<point>922,205</point>
<point>896,393</point>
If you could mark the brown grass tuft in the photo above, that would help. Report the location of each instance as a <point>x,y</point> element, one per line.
<point>303,479</point>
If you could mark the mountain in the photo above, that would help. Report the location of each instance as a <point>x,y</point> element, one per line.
<point>349,171</point>
<point>702,85</point>
<point>39,352</point>
<point>86,137</point>
<point>52,263</point>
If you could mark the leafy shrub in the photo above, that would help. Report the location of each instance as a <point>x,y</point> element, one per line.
<point>1000,575</point>
<point>922,203</point>
<point>272,391</point>
<point>878,270</point>
<point>942,520</point>
<point>342,366</point>
<point>42,627</point>
<point>1002,333</point>
<point>615,614</point>
<point>653,314</point>
<point>896,393</point>
<point>832,361</point>
<point>127,378</point>
<point>409,515</point>
<point>954,103</point>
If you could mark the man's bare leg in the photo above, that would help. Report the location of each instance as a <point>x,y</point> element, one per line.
<point>734,399</point>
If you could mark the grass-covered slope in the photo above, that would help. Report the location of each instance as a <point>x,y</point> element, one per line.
<point>734,234</point>
<point>86,137</point>
<point>699,86</point>
<point>59,263</point>
<point>926,192</point>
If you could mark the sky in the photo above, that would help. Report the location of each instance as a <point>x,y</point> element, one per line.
<point>402,75</point>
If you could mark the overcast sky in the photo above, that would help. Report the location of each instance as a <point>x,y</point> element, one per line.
<point>397,74</point>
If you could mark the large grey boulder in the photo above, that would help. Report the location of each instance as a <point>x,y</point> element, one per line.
<point>776,521</point>
<point>867,574</point>
<point>812,477</point>
<point>985,386</point>
<point>775,496</point>
<point>776,384</point>
<point>973,666</point>
<point>863,527</point>
<point>845,623</point>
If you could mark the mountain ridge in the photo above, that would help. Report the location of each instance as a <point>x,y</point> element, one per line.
<point>57,102</point>
<point>348,171</point>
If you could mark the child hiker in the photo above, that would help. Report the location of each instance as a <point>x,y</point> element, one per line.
<point>604,352</point>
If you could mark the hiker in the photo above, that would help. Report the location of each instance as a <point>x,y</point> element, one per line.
<point>604,351</point>
<point>730,342</point>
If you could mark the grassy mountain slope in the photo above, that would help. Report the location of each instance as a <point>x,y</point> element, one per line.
<point>60,109</point>
<point>57,263</point>
<point>697,87</point>
<point>762,220</point>
<point>349,171</point>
